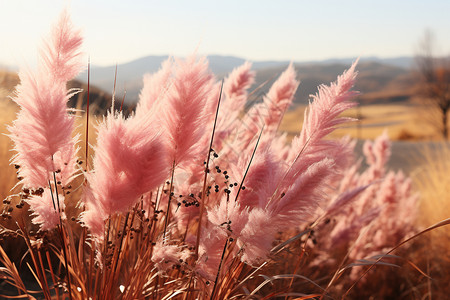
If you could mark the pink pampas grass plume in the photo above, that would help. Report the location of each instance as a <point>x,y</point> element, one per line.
<point>236,85</point>
<point>280,97</point>
<point>45,209</point>
<point>130,160</point>
<point>235,96</point>
<point>165,256</point>
<point>155,88</point>
<point>377,154</point>
<point>210,251</point>
<point>269,112</point>
<point>43,127</point>
<point>93,217</point>
<point>321,118</point>
<point>186,110</point>
<point>61,54</point>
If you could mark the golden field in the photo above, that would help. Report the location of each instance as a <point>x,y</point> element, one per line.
<point>403,122</point>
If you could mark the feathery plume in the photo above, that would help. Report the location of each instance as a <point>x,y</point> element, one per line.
<point>321,117</point>
<point>61,55</point>
<point>45,209</point>
<point>155,88</point>
<point>235,96</point>
<point>279,98</point>
<point>165,256</point>
<point>130,160</point>
<point>42,132</point>
<point>184,112</point>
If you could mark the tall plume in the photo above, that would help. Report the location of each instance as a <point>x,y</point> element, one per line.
<point>42,132</point>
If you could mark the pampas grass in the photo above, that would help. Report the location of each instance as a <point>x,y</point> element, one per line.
<point>186,199</point>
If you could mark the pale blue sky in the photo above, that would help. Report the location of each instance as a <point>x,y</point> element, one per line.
<point>119,31</point>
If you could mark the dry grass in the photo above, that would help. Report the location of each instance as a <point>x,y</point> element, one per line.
<point>7,176</point>
<point>432,180</point>
<point>404,122</point>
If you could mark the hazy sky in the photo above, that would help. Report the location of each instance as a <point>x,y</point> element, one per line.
<point>118,31</point>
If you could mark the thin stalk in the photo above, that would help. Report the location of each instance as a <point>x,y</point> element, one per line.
<point>114,92</point>
<point>168,203</point>
<point>437,225</point>
<point>91,264</point>
<point>123,100</point>
<point>57,197</point>
<point>297,265</point>
<point>87,115</point>
<point>47,254</point>
<point>249,163</point>
<point>220,267</point>
<point>121,240</point>
<point>202,203</point>
<point>53,200</point>
<point>43,270</point>
<point>61,233</point>
<point>39,270</point>
<point>104,254</point>
<point>98,273</point>
<point>119,259</point>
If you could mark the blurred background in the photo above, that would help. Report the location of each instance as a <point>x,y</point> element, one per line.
<point>403,47</point>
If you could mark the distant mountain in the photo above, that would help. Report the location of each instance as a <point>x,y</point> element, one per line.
<point>375,73</point>
<point>405,62</point>
<point>377,82</point>
<point>100,101</point>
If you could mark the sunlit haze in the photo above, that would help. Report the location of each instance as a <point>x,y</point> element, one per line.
<point>120,31</point>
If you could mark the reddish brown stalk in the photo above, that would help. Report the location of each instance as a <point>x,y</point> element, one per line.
<point>123,100</point>
<point>62,234</point>
<point>80,257</point>
<point>96,287</point>
<point>219,269</point>
<point>297,265</point>
<point>121,240</point>
<point>90,273</point>
<point>87,115</point>
<point>111,279</point>
<point>202,202</point>
<point>105,250</point>
<point>39,269</point>
<point>47,254</point>
<point>119,257</point>
<point>43,269</point>
<point>15,280</point>
<point>249,163</point>
<point>168,203</point>
<point>114,91</point>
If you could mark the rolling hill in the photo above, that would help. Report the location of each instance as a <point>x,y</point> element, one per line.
<point>99,99</point>
<point>379,80</point>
